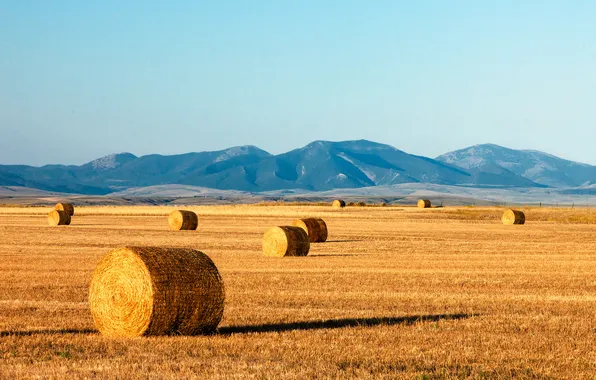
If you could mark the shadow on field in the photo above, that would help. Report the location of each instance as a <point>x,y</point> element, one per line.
<point>46,332</point>
<point>342,241</point>
<point>340,323</point>
<point>337,255</point>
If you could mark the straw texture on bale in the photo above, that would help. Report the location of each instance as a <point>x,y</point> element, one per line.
<point>183,220</point>
<point>58,218</point>
<point>67,207</point>
<point>338,203</point>
<point>286,241</point>
<point>513,217</point>
<point>423,203</point>
<point>315,228</point>
<point>139,291</point>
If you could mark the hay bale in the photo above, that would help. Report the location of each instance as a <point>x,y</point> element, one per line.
<point>58,218</point>
<point>423,203</point>
<point>351,204</point>
<point>156,291</point>
<point>67,207</point>
<point>383,204</point>
<point>338,203</point>
<point>360,204</point>
<point>324,232</point>
<point>513,217</point>
<point>183,220</point>
<point>315,228</point>
<point>286,241</point>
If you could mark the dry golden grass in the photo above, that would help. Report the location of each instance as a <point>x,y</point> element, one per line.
<point>394,293</point>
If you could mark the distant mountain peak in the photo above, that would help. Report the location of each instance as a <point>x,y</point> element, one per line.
<point>539,167</point>
<point>356,145</point>
<point>240,151</point>
<point>111,161</point>
<point>317,144</point>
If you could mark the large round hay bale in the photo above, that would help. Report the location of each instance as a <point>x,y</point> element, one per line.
<point>423,203</point>
<point>67,207</point>
<point>286,241</point>
<point>156,291</point>
<point>513,217</point>
<point>58,218</point>
<point>315,228</point>
<point>338,203</point>
<point>183,220</point>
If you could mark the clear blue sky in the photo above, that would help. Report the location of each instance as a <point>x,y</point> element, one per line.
<point>80,79</point>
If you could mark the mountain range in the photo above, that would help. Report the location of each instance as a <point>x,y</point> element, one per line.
<point>319,166</point>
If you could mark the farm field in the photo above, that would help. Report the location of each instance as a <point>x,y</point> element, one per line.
<point>395,292</point>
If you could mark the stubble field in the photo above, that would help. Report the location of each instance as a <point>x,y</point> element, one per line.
<point>395,293</point>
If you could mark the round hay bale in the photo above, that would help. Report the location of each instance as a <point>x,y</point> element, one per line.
<point>310,226</point>
<point>67,207</point>
<point>513,217</point>
<point>423,203</point>
<point>351,204</point>
<point>383,204</point>
<point>286,241</point>
<point>315,228</point>
<point>338,203</point>
<point>183,220</point>
<point>139,291</point>
<point>324,232</point>
<point>58,218</point>
<point>360,204</point>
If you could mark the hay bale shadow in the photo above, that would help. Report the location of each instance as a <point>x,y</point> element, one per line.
<point>343,241</point>
<point>339,323</point>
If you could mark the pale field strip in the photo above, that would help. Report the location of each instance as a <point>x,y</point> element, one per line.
<point>238,210</point>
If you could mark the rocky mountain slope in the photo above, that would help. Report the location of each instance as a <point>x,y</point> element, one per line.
<point>539,167</point>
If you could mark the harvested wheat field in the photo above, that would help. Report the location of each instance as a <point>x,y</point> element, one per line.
<point>393,293</point>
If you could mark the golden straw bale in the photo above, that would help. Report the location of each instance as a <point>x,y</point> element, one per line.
<point>286,241</point>
<point>315,228</point>
<point>183,220</point>
<point>58,218</point>
<point>338,203</point>
<point>310,226</point>
<point>156,291</point>
<point>513,217</point>
<point>324,232</point>
<point>67,207</point>
<point>423,203</point>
